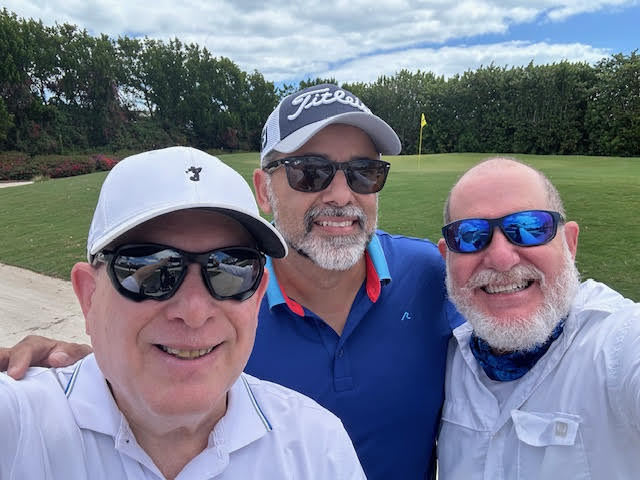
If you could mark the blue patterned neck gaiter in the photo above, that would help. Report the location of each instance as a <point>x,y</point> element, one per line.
<point>513,365</point>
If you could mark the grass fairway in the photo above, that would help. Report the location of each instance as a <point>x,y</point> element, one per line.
<point>43,226</point>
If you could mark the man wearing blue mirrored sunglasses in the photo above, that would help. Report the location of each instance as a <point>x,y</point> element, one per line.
<point>543,381</point>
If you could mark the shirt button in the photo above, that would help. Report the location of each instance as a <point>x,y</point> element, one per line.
<point>341,352</point>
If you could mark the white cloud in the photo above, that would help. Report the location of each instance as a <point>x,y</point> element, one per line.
<point>569,8</point>
<point>448,61</point>
<point>292,40</point>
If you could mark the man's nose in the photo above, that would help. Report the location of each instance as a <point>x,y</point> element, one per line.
<point>501,255</point>
<point>338,192</point>
<point>193,303</point>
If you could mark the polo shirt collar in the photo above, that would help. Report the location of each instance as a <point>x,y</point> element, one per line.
<point>245,420</point>
<point>88,394</point>
<point>377,276</point>
<point>243,423</point>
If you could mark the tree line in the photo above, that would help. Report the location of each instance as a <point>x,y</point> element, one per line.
<point>63,90</point>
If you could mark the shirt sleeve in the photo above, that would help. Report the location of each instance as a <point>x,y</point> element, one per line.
<point>9,425</point>
<point>626,371</point>
<point>342,460</point>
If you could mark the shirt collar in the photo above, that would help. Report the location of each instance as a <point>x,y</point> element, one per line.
<point>245,421</point>
<point>88,393</point>
<point>95,409</point>
<point>377,276</point>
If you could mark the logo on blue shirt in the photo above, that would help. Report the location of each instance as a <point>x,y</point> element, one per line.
<point>405,316</point>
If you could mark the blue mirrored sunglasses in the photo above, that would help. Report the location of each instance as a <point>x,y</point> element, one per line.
<point>525,229</point>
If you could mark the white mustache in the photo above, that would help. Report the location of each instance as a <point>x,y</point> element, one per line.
<point>517,274</point>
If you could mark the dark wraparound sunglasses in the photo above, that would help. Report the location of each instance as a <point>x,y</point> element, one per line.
<point>152,271</point>
<point>313,173</point>
<point>525,229</point>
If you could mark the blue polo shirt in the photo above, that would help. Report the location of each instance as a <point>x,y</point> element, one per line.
<point>384,375</point>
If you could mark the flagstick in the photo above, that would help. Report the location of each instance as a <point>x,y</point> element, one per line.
<point>423,122</point>
<point>420,148</point>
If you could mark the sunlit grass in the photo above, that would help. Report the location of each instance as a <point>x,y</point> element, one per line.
<point>43,226</point>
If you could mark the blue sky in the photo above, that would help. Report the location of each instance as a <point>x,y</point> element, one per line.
<point>617,30</point>
<point>359,40</point>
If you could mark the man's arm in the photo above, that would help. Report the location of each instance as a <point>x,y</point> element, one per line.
<point>628,370</point>
<point>37,351</point>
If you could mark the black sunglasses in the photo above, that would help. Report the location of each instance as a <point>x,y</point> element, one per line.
<point>151,271</point>
<point>313,173</point>
<point>525,229</point>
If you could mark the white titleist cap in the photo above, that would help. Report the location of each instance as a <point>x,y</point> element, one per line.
<point>301,115</point>
<point>150,184</point>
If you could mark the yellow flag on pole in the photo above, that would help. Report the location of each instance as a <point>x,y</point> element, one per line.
<point>423,121</point>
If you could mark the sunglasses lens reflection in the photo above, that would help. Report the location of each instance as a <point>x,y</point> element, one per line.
<point>314,174</point>
<point>469,235</point>
<point>526,229</point>
<point>156,272</point>
<point>232,273</point>
<point>529,228</point>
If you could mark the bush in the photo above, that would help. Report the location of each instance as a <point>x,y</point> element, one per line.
<point>103,163</point>
<point>19,166</point>
<point>16,166</point>
<point>69,167</point>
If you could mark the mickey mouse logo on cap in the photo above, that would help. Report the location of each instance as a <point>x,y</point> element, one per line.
<point>196,173</point>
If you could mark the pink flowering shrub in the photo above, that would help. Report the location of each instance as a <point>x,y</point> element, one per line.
<point>16,166</point>
<point>19,166</point>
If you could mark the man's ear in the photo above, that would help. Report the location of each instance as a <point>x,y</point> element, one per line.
<point>442,246</point>
<point>83,280</point>
<point>571,232</point>
<point>260,185</point>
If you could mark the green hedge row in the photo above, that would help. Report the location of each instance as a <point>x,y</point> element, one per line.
<point>20,166</point>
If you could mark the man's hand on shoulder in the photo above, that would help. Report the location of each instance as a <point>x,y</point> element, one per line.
<point>37,351</point>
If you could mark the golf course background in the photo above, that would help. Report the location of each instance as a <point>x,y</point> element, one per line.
<point>43,226</point>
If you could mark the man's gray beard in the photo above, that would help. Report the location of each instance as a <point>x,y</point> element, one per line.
<point>334,252</point>
<point>338,253</point>
<point>519,333</point>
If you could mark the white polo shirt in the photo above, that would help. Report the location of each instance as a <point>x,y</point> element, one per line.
<point>64,424</point>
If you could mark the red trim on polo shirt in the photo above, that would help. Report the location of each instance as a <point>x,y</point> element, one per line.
<point>372,286</point>
<point>373,281</point>
<point>294,306</point>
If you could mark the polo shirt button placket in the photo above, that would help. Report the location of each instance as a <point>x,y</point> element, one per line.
<point>342,371</point>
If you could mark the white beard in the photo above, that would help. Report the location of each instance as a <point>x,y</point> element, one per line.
<point>330,253</point>
<point>519,334</point>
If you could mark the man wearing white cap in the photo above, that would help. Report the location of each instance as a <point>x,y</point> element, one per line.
<point>163,395</point>
<point>353,317</point>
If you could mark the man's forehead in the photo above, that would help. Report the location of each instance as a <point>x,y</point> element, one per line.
<point>499,183</point>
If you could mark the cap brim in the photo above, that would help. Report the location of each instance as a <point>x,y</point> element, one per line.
<point>267,237</point>
<point>382,135</point>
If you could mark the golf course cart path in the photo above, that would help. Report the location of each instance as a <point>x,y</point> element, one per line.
<point>31,303</point>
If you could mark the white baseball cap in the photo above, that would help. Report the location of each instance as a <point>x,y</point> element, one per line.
<point>150,184</point>
<point>301,115</point>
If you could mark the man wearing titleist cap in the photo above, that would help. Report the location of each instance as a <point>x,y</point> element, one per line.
<point>353,317</point>
<point>163,395</point>
<point>359,315</point>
